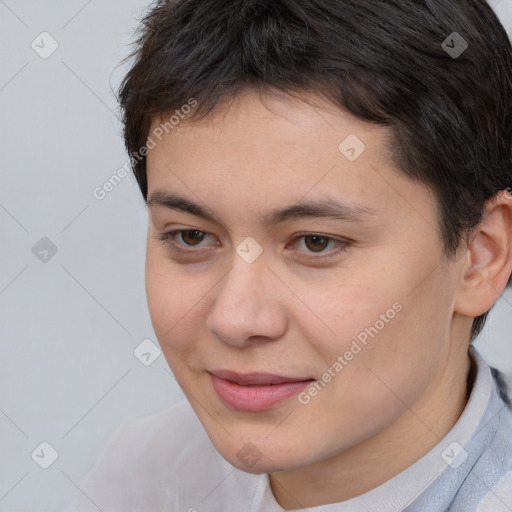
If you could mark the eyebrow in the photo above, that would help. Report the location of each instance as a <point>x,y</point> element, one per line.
<point>325,208</point>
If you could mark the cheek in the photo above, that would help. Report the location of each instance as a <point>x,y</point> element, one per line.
<point>383,356</point>
<point>159,294</point>
<point>177,302</point>
<point>168,304</point>
<point>378,326</point>
<point>348,310</point>
<point>166,295</point>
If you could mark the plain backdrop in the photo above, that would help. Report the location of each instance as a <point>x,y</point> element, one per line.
<point>72,299</point>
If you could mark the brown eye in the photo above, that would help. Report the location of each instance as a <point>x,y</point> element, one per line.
<point>189,238</point>
<point>314,246</point>
<point>316,243</point>
<point>312,243</point>
<point>192,236</point>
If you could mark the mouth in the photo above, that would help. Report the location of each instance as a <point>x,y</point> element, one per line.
<point>255,391</point>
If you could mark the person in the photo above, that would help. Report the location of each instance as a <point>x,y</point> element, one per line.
<point>328,186</point>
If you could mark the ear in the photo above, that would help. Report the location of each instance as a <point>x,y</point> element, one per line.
<point>488,259</point>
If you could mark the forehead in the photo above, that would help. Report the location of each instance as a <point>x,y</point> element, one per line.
<point>267,109</point>
<point>272,150</point>
<point>259,133</point>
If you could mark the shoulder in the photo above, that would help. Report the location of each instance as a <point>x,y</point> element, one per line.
<point>168,427</point>
<point>144,461</point>
<point>499,497</point>
<point>145,440</point>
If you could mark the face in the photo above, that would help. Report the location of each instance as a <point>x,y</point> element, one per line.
<point>354,309</point>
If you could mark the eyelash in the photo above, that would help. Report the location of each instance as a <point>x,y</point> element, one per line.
<point>342,245</point>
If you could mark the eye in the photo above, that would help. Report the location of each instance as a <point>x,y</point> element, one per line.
<point>187,235</point>
<point>315,243</point>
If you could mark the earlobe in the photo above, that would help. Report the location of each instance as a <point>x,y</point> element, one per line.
<point>489,259</point>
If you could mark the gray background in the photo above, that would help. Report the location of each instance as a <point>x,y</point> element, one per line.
<point>70,321</point>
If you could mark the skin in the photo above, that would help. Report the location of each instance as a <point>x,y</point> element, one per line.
<point>285,314</point>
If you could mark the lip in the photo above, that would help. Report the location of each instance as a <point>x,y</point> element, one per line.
<point>255,391</point>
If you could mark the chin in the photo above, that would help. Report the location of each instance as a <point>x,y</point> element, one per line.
<point>262,467</point>
<point>257,459</point>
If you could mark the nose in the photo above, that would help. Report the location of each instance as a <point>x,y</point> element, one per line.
<point>248,305</point>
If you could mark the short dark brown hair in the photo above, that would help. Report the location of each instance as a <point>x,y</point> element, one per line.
<point>387,62</point>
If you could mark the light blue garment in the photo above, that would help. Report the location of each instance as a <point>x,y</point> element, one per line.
<point>489,458</point>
